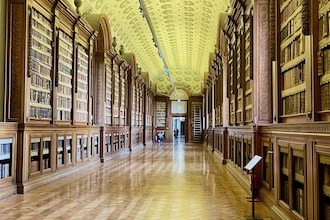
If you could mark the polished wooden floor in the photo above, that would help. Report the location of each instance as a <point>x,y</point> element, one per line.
<point>164,181</point>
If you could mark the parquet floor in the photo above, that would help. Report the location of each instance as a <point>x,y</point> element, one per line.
<point>165,181</point>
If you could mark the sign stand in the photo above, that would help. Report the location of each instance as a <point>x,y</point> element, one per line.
<point>250,167</point>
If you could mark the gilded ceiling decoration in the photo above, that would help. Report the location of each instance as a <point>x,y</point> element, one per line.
<point>186,31</point>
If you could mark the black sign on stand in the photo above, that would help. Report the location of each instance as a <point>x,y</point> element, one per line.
<point>250,167</point>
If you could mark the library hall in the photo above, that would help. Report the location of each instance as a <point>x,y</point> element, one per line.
<point>165,109</point>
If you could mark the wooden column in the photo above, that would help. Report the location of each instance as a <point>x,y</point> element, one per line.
<point>225,104</point>
<point>261,66</point>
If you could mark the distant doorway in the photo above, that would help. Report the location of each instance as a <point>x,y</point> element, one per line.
<point>179,129</point>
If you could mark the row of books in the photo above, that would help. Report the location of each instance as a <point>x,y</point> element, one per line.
<point>291,6</point>
<point>82,117</point>
<point>62,68</point>
<point>65,50</point>
<point>40,113</point>
<point>64,90</point>
<point>82,86</point>
<point>293,50</point>
<point>323,3</point>
<point>82,96</point>
<point>325,97</point>
<point>298,165</point>
<point>36,55</point>
<point>38,16</point>
<point>40,36</point>
<point>40,97</point>
<point>64,102</point>
<point>65,79</point>
<point>63,115</point>
<point>41,82</point>
<point>294,76</point>
<point>82,75</point>
<point>44,49</point>
<point>82,105</point>
<point>294,104</point>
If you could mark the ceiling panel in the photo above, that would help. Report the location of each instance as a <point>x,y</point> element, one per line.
<point>186,32</point>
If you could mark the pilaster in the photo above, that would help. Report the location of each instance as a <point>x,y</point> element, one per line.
<point>261,66</point>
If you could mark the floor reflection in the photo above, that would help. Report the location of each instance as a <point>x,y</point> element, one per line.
<point>167,181</point>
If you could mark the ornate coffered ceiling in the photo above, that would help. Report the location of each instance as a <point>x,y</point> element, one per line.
<point>186,31</point>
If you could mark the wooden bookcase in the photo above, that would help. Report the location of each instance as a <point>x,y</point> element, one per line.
<point>293,58</point>
<point>324,56</point>
<point>40,52</point>
<point>161,110</point>
<point>82,85</point>
<point>248,84</point>
<point>116,91</point>
<point>108,95</point>
<point>63,80</point>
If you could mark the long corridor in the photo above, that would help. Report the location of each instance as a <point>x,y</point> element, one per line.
<point>164,181</point>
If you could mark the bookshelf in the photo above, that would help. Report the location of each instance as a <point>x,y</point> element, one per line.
<point>122,98</point>
<point>133,113</point>
<point>82,85</point>
<point>232,92</point>
<point>40,66</point>
<point>108,94</point>
<point>161,114</point>
<point>6,146</point>
<point>64,76</point>
<point>116,98</point>
<point>292,58</point>
<point>239,76</point>
<point>140,110</point>
<point>324,54</point>
<point>35,148</point>
<point>248,68</point>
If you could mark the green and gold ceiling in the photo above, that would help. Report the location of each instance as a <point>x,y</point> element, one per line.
<point>186,31</point>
